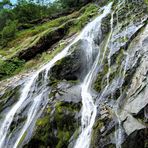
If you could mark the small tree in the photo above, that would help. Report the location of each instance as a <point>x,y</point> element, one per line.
<point>8,32</point>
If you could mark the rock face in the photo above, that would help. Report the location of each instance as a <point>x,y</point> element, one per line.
<point>120,88</point>
<point>72,66</point>
<point>126,96</point>
<point>60,120</point>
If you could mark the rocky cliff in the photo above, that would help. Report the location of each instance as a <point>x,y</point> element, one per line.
<point>119,89</point>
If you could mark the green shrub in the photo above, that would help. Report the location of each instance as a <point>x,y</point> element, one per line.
<point>8,68</point>
<point>8,32</point>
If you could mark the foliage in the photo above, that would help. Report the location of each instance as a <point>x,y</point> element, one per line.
<point>26,14</point>
<point>7,68</point>
<point>30,37</point>
<point>8,32</point>
<point>69,3</point>
<point>29,11</point>
<point>5,16</point>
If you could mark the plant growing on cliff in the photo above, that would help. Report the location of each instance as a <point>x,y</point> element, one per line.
<point>7,68</point>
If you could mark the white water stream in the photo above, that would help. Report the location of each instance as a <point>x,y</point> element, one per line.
<point>89,109</point>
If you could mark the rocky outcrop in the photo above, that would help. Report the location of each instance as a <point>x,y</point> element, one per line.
<point>59,124</point>
<point>46,39</point>
<point>125,97</point>
<point>72,66</point>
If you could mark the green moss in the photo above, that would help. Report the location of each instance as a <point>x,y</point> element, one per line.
<point>69,106</point>
<point>96,133</point>
<point>10,93</point>
<point>111,146</point>
<point>63,137</point>
<point>42,121</point>
<point>98,85</point>
<point>89,12</point>
<point>22,138</point>
<point>64,112</point>
<point>119,57</point>
<point>146,1</point>
<point>52,129</point>
<point>59,107</point>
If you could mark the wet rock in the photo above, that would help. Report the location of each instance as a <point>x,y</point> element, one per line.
<point>131,124</point>
<point>69,92</point>
<point>9,97</point>
<point>137,139</point>
<point>127,85</point>
<point>72,66</point>
<point>60,119</point>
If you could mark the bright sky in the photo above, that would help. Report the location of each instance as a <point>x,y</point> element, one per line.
<point>14,1</point>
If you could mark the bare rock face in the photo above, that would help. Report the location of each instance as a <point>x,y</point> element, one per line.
<point>126,95</point>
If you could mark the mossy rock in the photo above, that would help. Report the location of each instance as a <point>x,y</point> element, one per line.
<point>101,78</point>
<point>71,67</point>
<point>55,128</point>
<point>9,97</point>
<point>96,134</point>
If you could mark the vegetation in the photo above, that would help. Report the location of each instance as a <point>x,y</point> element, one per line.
<point>26,14</point>
<point>40,38</point>
<point>8,68</point>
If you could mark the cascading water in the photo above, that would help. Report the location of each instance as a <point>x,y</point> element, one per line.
<point>27,93</point>
<point>99,51</point>
<point>37,95</point>
<point>104,53</point>
<point>89,109</point>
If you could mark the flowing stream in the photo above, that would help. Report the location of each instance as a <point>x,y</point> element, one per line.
<point>27,93</point>
<point>89,109</point>
<point>35,95</point>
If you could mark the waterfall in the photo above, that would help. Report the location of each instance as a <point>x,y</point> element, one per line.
<point>36,96</point>
<point>104,79</point>
<point>27,93</point>
<point>89,108</point>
